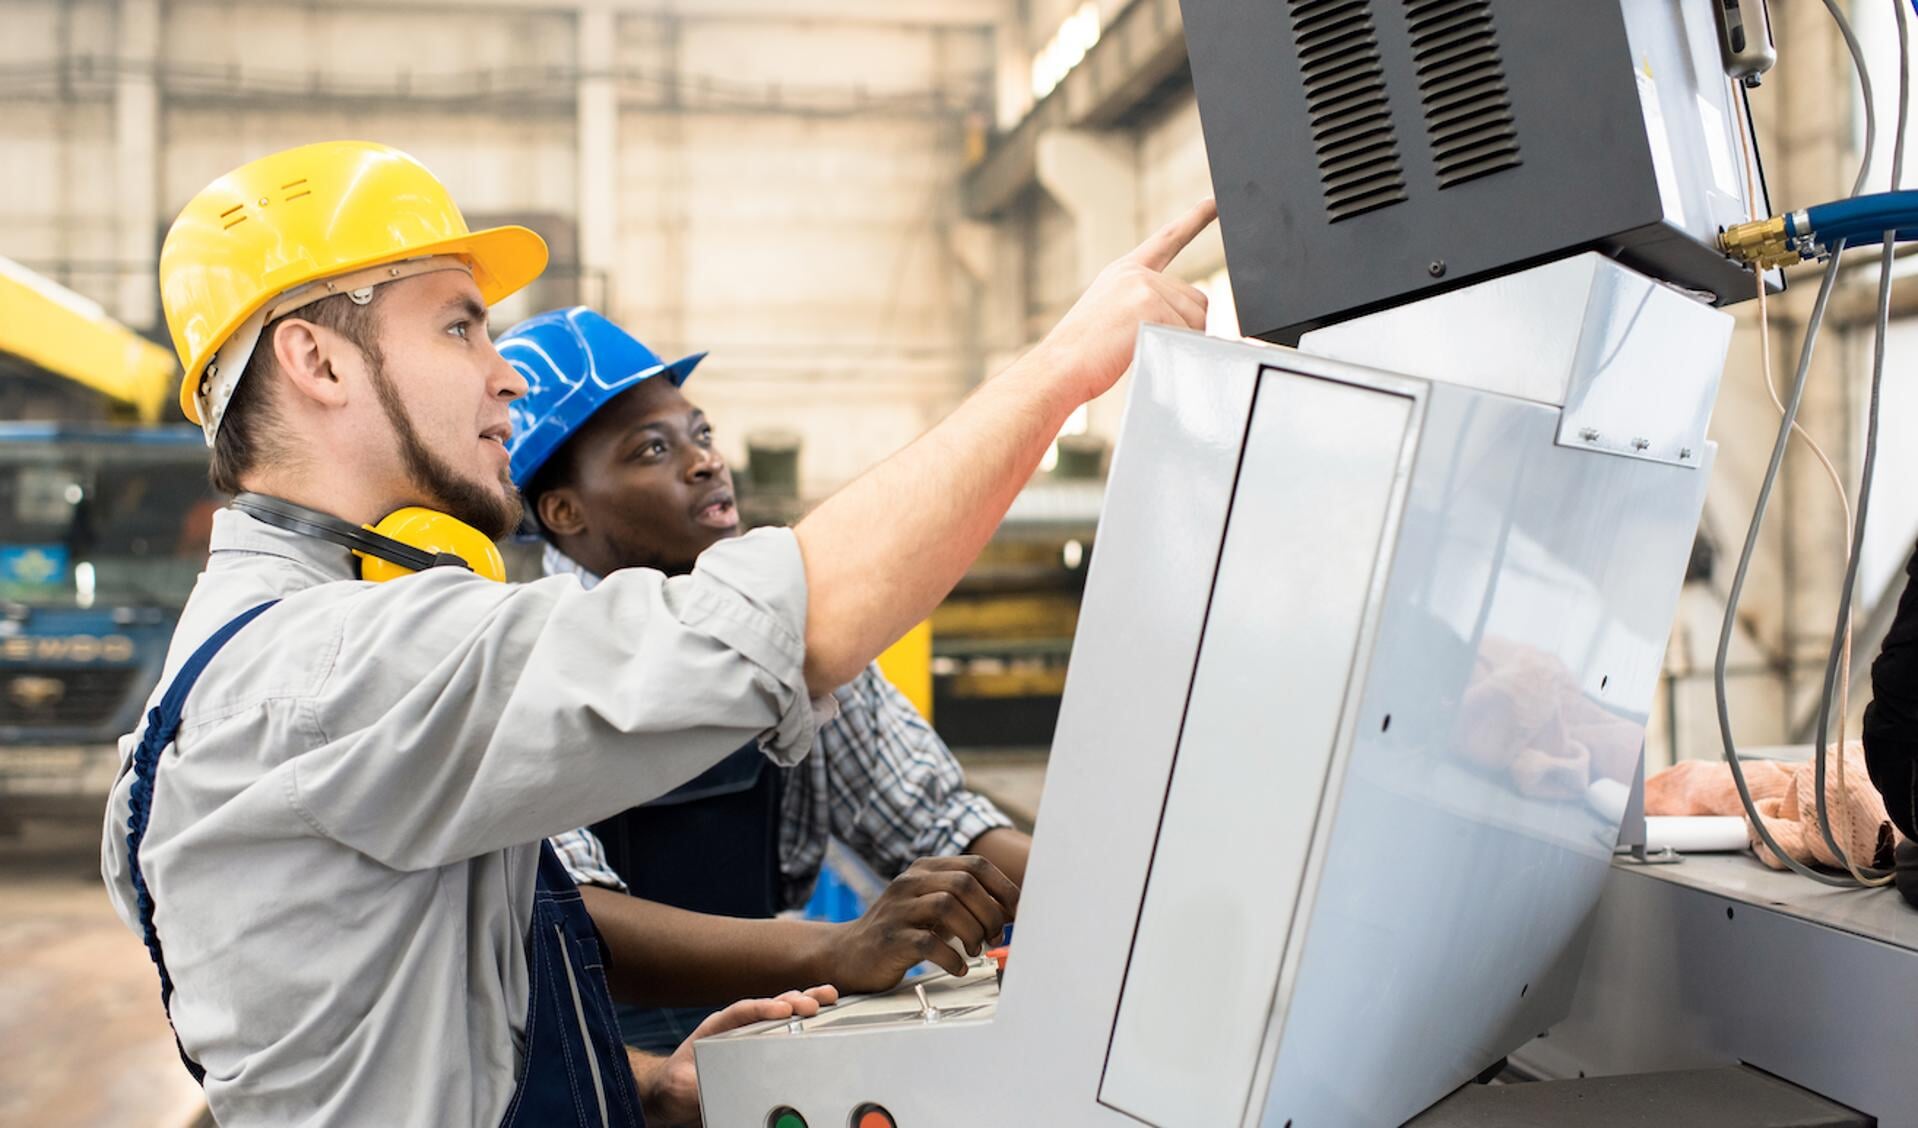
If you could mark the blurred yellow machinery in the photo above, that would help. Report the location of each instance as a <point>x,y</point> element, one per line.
<point>63,338</point>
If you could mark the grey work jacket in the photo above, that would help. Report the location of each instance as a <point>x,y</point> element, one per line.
<point>344,835</point>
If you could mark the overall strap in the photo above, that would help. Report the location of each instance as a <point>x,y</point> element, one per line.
<point>163,722</point>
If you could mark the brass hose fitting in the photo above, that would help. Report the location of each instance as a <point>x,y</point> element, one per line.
<point>1762,243</point>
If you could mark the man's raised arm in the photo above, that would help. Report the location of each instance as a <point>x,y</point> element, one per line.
<point>881,553</point>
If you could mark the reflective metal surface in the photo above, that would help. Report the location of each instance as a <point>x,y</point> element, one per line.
<point>1634,363</point>
<point>1718,960</point>
<point>1532,588</point>
<point>1324,469</point>
<point>1356,652</point>
<point>1038,1060</point>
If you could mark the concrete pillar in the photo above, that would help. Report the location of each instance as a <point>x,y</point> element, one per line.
<point>1816,161</point>
<point>1094,175</point>
<point>136,162</point>
<point>992,257</point>
<point>598,153</point>
<point>1012,70</point>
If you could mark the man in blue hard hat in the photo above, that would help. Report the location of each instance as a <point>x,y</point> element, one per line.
<point>620,470</point>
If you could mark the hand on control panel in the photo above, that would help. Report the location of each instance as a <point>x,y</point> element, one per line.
<point>965,898</point>
<point>669,1086</point>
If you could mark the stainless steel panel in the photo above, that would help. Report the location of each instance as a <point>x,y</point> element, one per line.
<point>1516,335</point>
<point>1646,373</point>
<point>1531,591</point>
<point>1691,118</point>
<point>1634,363</point>
<point>1323,464</point>
<point>1507,654</point>
<point>1038,1060</point>
<point>1718,960</point>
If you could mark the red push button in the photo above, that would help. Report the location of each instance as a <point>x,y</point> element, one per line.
<point>870,1115</point>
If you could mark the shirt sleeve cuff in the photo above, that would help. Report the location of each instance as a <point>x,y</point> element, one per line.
<point>753,592</point>
<point>968,816</point>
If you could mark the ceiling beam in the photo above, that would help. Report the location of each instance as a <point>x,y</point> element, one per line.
<point>910,13</point>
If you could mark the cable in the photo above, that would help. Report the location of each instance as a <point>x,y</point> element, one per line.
<point>1777,241</point>
<point>1730,623</point>
<point>1838,664</point>
<point>1865,874</point>
<point>1787,423</point>
<point>1764,322</point>
<point>1864,87</point>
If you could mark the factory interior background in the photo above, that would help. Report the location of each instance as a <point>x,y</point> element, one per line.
<point>861,209</point>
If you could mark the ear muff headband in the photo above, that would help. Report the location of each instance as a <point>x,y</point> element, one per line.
<point>372,545</point>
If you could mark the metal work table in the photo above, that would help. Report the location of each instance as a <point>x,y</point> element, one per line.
<point>1718,960</point>
<point>1878,914</point>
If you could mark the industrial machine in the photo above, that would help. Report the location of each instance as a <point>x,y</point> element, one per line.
<point>1353,711</point>
<point>103,530</point>
<point>1366,153</point>
<point>104,519</point>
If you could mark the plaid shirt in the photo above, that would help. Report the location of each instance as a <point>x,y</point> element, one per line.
<point>879,780</point>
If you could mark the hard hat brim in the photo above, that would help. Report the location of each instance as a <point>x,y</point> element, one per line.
<point>676,371</point>
<point>504,259</point>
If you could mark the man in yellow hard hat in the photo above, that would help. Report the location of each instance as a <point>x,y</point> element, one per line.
<point>329,829</point>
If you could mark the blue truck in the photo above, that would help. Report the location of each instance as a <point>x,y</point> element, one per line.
<point>103,529</point>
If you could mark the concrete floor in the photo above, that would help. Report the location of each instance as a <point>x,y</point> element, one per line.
<point>82,1037</point>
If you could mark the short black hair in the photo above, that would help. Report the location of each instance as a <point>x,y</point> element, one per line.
<point>246,436</point>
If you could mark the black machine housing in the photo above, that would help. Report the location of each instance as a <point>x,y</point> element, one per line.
<point>1367,152</point>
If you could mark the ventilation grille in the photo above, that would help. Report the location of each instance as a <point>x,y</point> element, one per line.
<point>1345,95</point>
<point>1468,113</point>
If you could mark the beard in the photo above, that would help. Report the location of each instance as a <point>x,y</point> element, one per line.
<point>495,513</point>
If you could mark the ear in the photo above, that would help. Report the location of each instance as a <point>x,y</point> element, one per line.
<point>306,355</point>
<point>560,512</point>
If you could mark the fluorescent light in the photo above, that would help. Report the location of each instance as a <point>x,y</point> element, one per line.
<point>1066,49</point>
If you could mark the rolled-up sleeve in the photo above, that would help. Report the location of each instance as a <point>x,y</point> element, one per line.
<point>584,857</point>
<point>460,716</point>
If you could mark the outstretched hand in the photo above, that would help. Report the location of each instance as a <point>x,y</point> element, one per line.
<point>669,1087</point>
<point>1094,340</point>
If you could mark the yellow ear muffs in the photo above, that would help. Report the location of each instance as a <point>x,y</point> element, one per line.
<point>434,533</point>
<point>404,542</point>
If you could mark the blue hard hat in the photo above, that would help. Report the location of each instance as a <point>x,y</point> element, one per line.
<point>574,361</point>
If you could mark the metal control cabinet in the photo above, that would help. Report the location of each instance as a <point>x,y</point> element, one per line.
<point>1318,840</point>
<point>1365,152</point>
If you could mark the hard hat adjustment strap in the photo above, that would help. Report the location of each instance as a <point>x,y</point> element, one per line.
<point>222,373</point>
<point>358,285</point>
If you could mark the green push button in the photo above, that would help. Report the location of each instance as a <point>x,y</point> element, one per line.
<point>783,1117</point>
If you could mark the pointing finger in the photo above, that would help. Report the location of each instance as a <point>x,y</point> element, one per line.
<point>1165,244</point>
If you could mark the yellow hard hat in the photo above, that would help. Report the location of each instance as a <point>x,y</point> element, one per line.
<point>304,216</point>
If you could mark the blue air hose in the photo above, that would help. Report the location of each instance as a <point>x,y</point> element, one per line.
<point>1873,238</point>
<point>1853,219</point>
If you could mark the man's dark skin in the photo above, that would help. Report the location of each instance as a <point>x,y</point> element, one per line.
<point>641,484</point>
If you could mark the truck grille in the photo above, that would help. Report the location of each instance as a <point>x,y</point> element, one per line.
<point>65,696</point>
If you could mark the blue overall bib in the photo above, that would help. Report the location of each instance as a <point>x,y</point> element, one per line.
<point>711,846</point>
<point>575,1070</point>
